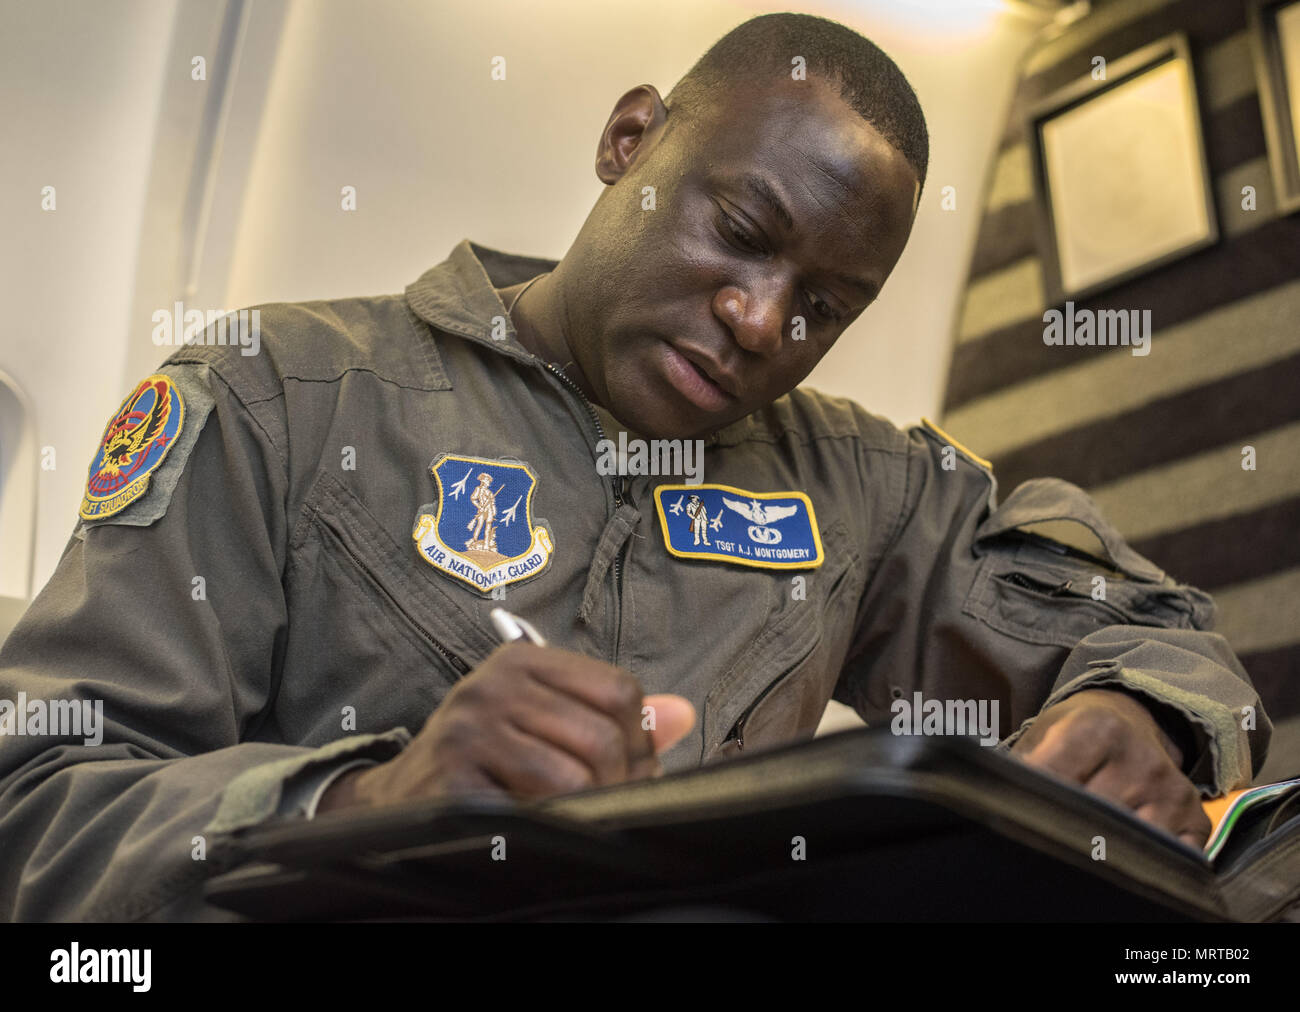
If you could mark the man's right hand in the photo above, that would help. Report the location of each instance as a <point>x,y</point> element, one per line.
<point>529,722</point>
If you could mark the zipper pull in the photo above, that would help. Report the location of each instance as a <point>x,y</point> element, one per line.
<point>1050,589</point>
<point>620,486</point>
<point>454,660</point>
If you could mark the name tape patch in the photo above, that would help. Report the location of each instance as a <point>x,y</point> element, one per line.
<point>720,523</point>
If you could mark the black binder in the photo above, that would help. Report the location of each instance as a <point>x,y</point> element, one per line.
<point>863,825</point>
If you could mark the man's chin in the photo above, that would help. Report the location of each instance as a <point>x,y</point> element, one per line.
<point>663,425</point>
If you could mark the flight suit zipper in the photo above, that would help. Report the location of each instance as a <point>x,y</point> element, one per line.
<point>455,661</point>
<point>619,483</point>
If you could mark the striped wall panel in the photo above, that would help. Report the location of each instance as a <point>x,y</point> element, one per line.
<point>1158,440</point>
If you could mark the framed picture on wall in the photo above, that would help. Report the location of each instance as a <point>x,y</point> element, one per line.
<point>1120,176</point>
<point>1275,36</point>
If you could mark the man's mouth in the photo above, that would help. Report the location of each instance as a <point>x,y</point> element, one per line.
<point>694,382</point>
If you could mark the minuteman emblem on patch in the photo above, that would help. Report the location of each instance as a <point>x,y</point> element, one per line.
<point>719,523</point>
<point>132,447</point>
<point>482,531</point>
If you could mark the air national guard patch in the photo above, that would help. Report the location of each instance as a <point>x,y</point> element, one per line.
<point>770,530</point>
<point>482,531</point>
<point>133,447</point>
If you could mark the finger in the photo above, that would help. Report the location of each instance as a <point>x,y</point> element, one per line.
<point>1134,776</point>
<point>1178,811</point>
<point>1145,781</point>
<point>674,716</point>
<point>589,735</point>
<point>1176,822</point>
<point>464,780</point>
<point>1131,786</point>
<point>607,688</point>
<point>1199,827</point>
<point>596,683</point>
<point>1195,839</point>
<point>530,768</point>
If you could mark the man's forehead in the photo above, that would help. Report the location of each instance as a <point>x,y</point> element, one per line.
<point>815,120</point>
<point>790,134</point>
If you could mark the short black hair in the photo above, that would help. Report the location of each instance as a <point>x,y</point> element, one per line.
<point>868,80</point>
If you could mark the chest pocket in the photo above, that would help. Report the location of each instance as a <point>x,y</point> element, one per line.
<point>778,687</point>
<point>1051,571</point>
<point>366,631</point>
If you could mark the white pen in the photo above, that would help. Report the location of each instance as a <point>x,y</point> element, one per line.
<point>511,627</point>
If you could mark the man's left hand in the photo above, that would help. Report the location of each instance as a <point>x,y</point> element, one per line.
<point>1110,744</point>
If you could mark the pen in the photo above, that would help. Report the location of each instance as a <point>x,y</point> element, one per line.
<point>511,627</point>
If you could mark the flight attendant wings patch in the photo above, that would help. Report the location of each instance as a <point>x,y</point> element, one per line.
<point>721,523</point>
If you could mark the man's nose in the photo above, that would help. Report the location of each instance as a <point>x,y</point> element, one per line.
<point>756,319</point>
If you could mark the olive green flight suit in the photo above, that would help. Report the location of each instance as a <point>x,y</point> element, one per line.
<point>321,636</point>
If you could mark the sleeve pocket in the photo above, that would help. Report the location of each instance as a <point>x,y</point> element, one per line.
<point>1052,571</point>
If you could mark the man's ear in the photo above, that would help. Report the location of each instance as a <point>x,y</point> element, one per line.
<point>638,115</point>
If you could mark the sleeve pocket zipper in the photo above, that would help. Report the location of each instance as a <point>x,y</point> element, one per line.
<point>1050,589</point>
<point>453,659</point>
<point>1064,591</point>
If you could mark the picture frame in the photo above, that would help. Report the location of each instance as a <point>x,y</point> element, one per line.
<point>1121,181</point>
<point>1275,40</point>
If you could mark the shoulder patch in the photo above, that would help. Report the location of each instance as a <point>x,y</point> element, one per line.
<point>719,523</point>
<point>964,451</point>
<point>143,449</point>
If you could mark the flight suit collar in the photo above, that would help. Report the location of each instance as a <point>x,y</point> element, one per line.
<point>459,295</point>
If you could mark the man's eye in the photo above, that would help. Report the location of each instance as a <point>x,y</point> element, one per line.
<point>823,309</point>
<point>742,237</point>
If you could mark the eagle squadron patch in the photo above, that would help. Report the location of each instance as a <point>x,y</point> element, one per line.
<point>770,530</point>
<point>133,446</point>
<point>481,531</point>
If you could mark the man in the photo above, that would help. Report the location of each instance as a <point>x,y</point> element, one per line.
<point>699,518</point>
<point>266,633</point>
<point>480,527</point>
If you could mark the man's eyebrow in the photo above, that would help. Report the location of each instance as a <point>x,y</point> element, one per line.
<point>764,191</point>
<point>867,290</point>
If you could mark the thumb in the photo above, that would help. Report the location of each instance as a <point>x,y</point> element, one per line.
<point>668,718</point>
